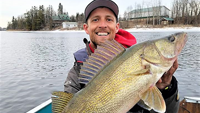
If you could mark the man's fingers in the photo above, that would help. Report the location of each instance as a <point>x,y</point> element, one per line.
<point>171,71</point>
<point>167,76</point>
<point>175,65</point>
<point>159,81</point>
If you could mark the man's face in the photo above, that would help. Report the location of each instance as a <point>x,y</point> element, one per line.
<point>101,26</point>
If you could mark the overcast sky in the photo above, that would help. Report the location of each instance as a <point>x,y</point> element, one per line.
<point>9,8</point>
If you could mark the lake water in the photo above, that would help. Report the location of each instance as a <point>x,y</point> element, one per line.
<point>33,64</point>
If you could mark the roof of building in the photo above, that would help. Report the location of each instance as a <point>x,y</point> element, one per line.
<point>61,17</point>
<point>168,19</point>
<point>70,23</point>
<point>146,17</point>
<point>150,9</point>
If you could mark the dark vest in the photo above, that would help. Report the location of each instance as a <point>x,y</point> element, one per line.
<point>81,55</point>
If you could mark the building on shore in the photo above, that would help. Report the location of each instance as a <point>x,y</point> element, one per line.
<point>70,25</point>
<point>166,21</point>
<point>150,15</point>
<point>59,19</point>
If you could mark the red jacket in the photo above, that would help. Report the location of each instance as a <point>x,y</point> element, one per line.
<point>125,38</point>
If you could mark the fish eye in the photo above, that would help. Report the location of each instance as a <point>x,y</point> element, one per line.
<point>171,38</point>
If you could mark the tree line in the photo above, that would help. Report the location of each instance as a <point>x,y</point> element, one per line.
<point>38,19</point>
<point>182,11</point>
<point>186,12</point>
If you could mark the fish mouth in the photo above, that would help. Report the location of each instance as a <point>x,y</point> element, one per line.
<point>102,33</point>
<point>182,44</point>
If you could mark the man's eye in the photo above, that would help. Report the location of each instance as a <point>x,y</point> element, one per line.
<point>95,20</point>
<point>109,19</point>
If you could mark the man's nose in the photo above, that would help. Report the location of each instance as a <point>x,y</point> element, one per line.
<point>102,24</point>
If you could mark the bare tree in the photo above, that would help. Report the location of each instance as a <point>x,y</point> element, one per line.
<point>196,11</point>
<point>147,13</point>
<point>186,11</point>
<point>129,9</point>
<point>183,5</point>
<point>125,15</point>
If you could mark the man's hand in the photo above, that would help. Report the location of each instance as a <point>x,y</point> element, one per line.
<point>165,80</point>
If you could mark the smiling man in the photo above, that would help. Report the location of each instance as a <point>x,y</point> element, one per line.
<point>101,23</point>
<point>101,26</point>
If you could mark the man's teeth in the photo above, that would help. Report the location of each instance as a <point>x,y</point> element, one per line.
<point>102,34</point>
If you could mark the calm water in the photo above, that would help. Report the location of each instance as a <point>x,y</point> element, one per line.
<point>33,64</point>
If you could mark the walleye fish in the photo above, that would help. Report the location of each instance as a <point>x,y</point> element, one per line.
<point>117,78</point>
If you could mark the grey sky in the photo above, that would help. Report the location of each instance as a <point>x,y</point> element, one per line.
<point>9,8</point>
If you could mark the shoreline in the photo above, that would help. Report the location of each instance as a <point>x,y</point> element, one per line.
<point>165,29</point>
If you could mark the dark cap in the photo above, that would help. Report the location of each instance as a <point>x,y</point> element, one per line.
<point>101,3</point>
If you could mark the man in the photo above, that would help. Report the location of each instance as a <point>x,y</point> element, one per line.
<point>101,24</point>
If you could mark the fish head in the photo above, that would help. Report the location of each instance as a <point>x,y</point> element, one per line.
<point>164,51</point>
<point>170,47</point>
<point>160,54</point>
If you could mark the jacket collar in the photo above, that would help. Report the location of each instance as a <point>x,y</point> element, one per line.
<point>123,37</point>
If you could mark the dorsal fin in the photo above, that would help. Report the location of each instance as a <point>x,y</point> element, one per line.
<point>104,54</point>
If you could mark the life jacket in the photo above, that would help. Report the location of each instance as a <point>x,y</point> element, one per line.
<point>123,37</point>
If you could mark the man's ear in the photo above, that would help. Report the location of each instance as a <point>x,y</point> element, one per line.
<point>117,27</point>
<point>85,27</point>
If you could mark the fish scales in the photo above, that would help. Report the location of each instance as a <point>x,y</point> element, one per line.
<point>128,78</point>
<point>103,95</point>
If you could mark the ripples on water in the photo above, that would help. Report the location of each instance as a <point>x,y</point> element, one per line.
<point>189,68</point>
<point>33,64</point>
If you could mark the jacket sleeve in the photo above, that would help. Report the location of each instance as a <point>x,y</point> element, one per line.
<point>172,103</point>
<point>171,97</point>
<point>71,84</point>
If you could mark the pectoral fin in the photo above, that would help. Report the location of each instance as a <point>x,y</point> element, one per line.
<point>60,100</point>
<point>143,105</point>
<point>153,98</point>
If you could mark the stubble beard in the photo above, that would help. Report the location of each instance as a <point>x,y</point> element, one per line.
<point>95,44</point>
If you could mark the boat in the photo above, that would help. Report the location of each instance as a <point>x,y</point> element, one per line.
<point>187,105</point>
<point>45,107</point>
